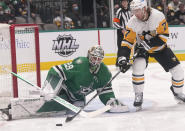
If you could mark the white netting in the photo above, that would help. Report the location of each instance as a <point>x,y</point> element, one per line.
<point>5,60</point>
<point>25,59</point>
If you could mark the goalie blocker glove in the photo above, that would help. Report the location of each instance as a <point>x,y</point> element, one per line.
<point>123,64</point>
<point>117,106</point>
<point>48,93</point>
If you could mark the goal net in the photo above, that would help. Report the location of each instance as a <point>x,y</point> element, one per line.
<point>19,53</point>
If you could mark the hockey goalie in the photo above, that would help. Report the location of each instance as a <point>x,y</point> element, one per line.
<point>72,82</point>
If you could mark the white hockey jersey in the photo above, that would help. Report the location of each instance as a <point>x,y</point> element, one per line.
<point>156,26</point>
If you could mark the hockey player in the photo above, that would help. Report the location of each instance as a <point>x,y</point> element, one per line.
<point>149,28</point>
<point>73,81</point>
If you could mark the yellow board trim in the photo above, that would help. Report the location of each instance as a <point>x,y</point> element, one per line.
<point>48,65</point>
<point>110,59</point>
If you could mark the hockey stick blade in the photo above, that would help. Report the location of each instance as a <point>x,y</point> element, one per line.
<point>99,111</point>
<point>93,113</point>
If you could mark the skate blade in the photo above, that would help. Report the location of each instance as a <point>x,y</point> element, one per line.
<point>139,108</point>
<point>4,116</point>
<point>178,101</point>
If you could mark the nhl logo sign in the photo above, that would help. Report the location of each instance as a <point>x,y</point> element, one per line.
<point>65,45</point>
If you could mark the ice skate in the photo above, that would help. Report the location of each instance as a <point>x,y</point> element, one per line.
<point>5,113</point>
<point>138,101</point>
<point>180,97</point>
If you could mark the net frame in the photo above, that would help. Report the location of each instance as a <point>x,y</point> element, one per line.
<point>13,55</point>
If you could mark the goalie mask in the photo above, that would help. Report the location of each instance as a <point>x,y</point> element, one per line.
<point>95,56</point>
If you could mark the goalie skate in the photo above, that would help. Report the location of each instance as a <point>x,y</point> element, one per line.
<point>5,113</point>
<point>180,98</point>
<point>138,101</point>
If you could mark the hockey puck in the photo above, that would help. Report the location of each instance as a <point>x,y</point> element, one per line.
<point>59,124</point>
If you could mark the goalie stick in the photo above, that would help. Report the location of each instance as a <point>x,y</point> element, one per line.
<point>77,109</point>
<point>64,102</point>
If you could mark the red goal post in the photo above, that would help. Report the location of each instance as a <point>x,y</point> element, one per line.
<point>19,53</point>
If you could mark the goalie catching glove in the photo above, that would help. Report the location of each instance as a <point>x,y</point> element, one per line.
<point>117,106</point>
<point>123,64</point>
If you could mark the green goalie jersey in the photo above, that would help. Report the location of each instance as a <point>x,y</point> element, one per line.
<point>75,81</point>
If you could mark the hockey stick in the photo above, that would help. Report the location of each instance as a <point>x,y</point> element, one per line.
<point>64,102</point>
<point>77,109</point>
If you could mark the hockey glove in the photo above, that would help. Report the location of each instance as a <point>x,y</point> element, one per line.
<point>117,106</point>
<point>144,43</point>
<point>148,36</point>
<point>123,64</point>
<point>48,93</point>
<point>49,96</point>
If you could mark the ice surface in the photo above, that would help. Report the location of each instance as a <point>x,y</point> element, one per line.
<point>160,111</point>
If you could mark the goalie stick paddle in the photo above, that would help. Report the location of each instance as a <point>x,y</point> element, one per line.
<point>64,102</point>
<point>77,109</point>
<point>70,118</point>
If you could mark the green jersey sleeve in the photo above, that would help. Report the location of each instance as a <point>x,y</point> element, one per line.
<point>105,76</point>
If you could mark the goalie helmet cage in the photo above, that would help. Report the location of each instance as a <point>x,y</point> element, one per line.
<point>20,43</point>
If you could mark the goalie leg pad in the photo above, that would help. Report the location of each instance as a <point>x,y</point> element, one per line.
<point>24,108</point>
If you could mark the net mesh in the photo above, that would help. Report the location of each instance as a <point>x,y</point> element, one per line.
<point>25,59</point>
